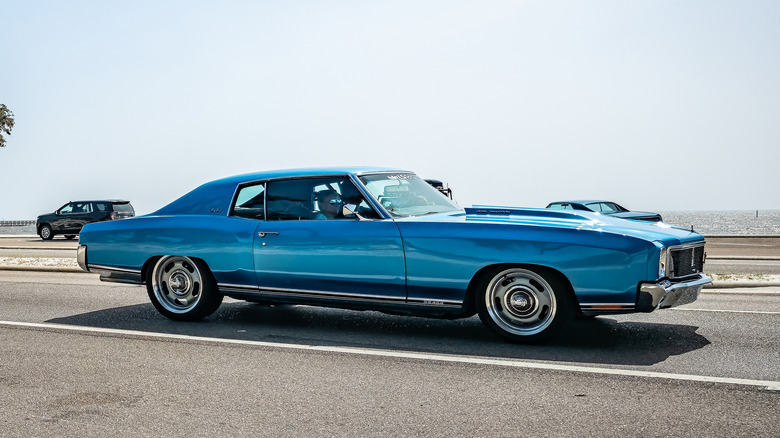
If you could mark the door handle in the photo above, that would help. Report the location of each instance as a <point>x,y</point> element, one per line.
<point>263,233</point>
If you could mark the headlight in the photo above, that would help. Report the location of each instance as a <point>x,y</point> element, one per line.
<point>663,262</point>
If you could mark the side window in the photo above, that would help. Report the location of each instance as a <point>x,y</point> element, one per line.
<point>100,206</point>
<point>81,207</point>
<point>67,209</point>
<point>290,199</point>
<point>250,202</point>
<point>334,195</point>
<point>315,199</point>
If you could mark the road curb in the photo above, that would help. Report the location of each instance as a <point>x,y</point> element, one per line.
<point>742,284</point>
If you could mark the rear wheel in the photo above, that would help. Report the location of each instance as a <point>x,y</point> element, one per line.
<point>523,305</point>
<point>183,289</point>
<point>46,232</point>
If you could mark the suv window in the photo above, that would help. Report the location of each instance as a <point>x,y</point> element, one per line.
<point>101,206</point>
<point>124,208</point>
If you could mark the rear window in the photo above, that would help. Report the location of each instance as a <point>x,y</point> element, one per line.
<point>124,208</point>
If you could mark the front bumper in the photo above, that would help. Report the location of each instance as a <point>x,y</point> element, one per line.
<point>665,293</point>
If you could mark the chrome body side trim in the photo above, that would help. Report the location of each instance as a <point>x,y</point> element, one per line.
<point>227,289</point>
<point>112,269</point>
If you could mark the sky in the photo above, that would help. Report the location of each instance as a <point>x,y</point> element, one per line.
<point>657,105</point>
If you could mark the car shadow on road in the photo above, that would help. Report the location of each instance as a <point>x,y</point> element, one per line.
<point>603,340</point>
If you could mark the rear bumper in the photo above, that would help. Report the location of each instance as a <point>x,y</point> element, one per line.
<point>665,293</point>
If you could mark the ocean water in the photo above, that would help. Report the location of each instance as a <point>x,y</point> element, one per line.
<point>736,222</point>
<point>739,222</point>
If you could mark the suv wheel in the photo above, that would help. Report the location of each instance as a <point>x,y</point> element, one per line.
<point>45,232</point>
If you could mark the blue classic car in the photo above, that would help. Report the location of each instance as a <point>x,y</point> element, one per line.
<point>384,239</point>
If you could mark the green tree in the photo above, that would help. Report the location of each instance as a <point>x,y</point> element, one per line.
<point>6,123</point>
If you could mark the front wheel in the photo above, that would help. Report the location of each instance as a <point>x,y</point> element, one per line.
<point>46,233</point>
<point>183,289</point>
<point>523,305</point>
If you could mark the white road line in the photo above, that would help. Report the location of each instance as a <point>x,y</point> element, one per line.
<point>766,384</point>
<point>727,311</point>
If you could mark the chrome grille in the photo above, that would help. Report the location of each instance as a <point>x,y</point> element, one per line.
<point>687,261</point>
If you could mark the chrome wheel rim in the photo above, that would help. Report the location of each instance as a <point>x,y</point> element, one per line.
<point>520,302</point>
<point>177,284</point>
<point>45,232</point>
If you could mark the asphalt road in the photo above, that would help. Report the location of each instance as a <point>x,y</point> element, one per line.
<point>84,358</point>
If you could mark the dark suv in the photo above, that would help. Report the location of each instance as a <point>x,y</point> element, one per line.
<point>69,218</point>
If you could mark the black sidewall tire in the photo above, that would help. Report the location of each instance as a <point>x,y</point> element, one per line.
<point>211,297</point>
<point>51,232</point>
<point>563,297</point>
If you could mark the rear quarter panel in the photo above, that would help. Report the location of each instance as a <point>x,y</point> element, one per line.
<point>224,243</point>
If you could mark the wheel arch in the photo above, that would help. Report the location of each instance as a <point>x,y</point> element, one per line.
<point>486,273</point>
<point>151,261</point>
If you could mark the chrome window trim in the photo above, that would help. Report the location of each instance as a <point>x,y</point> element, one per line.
<point>349,176</point>
<point>384,214</point>
<point>373,200</point>
<point>234,199</point>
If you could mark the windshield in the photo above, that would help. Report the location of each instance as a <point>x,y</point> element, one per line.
<point>406,194</point>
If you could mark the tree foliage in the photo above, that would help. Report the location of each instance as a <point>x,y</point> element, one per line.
<point>6,123</point>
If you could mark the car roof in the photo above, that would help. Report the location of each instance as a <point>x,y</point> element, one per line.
<point>313,171</point>
<point>113,201</point>
<point>586,201</point>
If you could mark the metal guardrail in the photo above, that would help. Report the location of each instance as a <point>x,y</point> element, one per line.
<point>16,223</point>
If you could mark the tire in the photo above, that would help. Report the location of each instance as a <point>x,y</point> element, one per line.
<point>45,232</point>
<point>183,289</point>
<point>70,236</point>
<point>524,305</point>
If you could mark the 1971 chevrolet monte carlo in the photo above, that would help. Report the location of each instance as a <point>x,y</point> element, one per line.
<point>384,239</point>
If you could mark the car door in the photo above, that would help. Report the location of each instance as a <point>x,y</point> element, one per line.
<point>64,220</point>
<point>300,251</point>
<point>82,215</point>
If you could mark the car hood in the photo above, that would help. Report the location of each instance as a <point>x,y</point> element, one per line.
<point>575,220</point>
<point>47,216</point>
